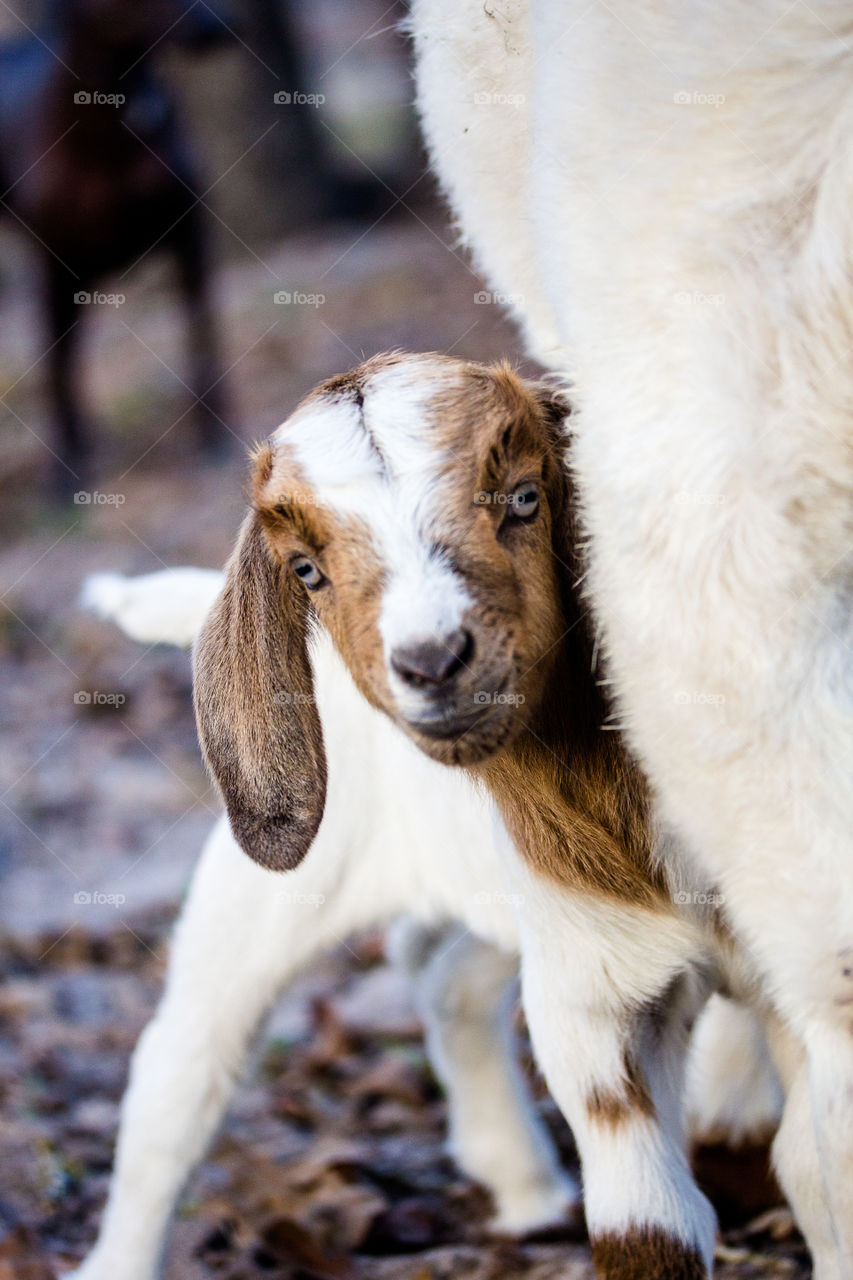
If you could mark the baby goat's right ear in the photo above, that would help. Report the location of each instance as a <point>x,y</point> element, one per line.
<point>254,698</point>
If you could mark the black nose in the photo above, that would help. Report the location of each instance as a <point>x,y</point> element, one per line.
<point>433,661</point>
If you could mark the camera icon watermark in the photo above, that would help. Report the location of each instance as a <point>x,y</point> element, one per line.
<point>286,698</point>
<point>87,98</point>
<point>95,698</point>
<point>493,297</point>
<point>499,99</point>
<point>699,498</point>
<point>483,698</point>
<point>82,898</point>
<point>685,298</point>
<point>498,898</point>
<point>286,298</point>
<point>83,298</point>
<point>496,498</point>
<point>297,500</point>
<point>95,498</point>
<point>697,99</point>
<point>698,898</point>
<point>699,698</point>
<point>296,98</point>
<point>293,898</point>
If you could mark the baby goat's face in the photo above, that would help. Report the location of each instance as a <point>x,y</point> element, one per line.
<point>414,502</point>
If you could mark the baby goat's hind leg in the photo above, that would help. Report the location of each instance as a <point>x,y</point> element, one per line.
<point>599,987</point>
<point>465,990</point>
<point>237,943</point>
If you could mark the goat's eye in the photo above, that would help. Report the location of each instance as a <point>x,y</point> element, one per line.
<point>524,501</point>
<point>308,572</point>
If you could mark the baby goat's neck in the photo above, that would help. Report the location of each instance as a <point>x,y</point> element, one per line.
<point>572,799</point>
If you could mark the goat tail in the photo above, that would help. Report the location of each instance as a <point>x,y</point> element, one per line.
<point>156,608</point>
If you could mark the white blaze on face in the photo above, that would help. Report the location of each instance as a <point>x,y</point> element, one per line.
<point>379,462</point>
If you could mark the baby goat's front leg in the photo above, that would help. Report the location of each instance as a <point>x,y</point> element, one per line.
<point>606,1002</point>
<point>239,939</point>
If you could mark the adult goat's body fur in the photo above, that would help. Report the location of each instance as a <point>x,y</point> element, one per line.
<point>666,194</point>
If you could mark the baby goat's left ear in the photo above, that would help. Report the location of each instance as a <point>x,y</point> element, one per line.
<point>254,698</point>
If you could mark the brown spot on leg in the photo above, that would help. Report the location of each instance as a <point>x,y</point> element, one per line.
<point>645,1253</point>
<point>625,1100</point>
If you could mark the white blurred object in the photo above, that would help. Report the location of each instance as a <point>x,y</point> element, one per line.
<point>157,608</point>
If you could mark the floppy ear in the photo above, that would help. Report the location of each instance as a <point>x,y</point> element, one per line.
<point>254,699</point>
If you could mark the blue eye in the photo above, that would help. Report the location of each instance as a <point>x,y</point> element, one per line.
<point>307,572</point>
<point>524,501</point>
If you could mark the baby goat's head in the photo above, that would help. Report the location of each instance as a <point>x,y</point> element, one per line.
<point>418,509</point>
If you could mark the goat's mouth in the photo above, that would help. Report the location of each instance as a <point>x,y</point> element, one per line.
<point>442,728</point>
<point>469,734</point>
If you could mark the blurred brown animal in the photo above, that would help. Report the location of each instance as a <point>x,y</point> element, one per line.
<point>96,165</point>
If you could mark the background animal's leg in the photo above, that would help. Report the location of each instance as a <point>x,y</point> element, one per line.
<point>237,943</point>
<point>466,992</point>
<point>206,374</point>
<point>63,334</point>
<point>588,991</point>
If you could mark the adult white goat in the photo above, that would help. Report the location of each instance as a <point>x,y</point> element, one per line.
<point>664,191</point>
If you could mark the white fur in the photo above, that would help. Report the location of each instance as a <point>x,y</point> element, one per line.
<point>688,264</point>
<point>377,465</point>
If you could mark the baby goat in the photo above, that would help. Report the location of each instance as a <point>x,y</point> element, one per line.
<point>411,547</point>
<point>400,834</point>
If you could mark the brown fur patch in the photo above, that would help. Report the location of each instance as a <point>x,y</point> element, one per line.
<point>645,1253</point>
<point>572,798</point>
<point>348,604</point>
<point>614,1105</point>
<point>349,384</point>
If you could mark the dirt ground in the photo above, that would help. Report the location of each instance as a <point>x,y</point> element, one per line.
<point>330,1164</point>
